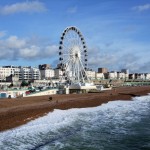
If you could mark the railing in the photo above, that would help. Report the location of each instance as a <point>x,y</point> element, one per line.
<point>42,91</point>
<point>136,83</point>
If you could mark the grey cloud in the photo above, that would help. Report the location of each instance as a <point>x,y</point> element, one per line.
<point>2,34</point>
<point>51,50</point>
<point>145,68</point>
<point>14,42</point>
<point>116,61</point>
<point>29,52</point>
<point>14,48</point>
<point>97,58</point>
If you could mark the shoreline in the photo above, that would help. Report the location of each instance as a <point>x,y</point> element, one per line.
<point>16,112</point>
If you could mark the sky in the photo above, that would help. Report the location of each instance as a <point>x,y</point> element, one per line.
<point>117,32</point>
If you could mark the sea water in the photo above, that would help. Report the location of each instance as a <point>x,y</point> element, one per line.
<point>117,125</point>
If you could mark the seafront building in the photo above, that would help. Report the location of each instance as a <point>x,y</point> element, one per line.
<point>91,74</point>
<point>147,76</point>
<point>45,80</point>
<point>6,71</point>
<point>102,70</point>
<point>99,76</point>
<point>139,76</point>
<point>45,72</point>
<point>22,73</point>
<point>29,73</point>
<point>58,73</point>
<point>121,75</point>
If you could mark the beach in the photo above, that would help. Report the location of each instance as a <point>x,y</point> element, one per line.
<point>16,112</point>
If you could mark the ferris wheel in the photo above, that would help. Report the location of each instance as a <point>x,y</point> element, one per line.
<point>73,56</point>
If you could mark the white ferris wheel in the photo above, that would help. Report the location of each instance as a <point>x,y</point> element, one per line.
<point>73,56</point>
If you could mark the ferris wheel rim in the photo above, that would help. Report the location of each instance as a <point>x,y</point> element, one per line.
<point>61,45</point>
<point>77,48</point>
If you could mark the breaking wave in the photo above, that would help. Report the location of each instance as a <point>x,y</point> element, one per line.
<point>115,125</point>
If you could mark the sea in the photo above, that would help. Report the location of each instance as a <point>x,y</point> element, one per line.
<point>117,125</point>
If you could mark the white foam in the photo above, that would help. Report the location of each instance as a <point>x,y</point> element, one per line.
<point>33,133</point>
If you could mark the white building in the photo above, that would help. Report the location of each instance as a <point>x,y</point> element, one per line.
<point>112,75</point>
<point>126,76</point>
<point>18,73</point>
<point>35,74</point>
<point>132,76</point>
<point>126,71</point>
<point>58,73</point>
<point>23,73</point>
<point>99,75</point>
<point>147,76</point>
<point>47,73</point>
<point>140,76</point>
<point>121,75</point>
<point>91,74</point>
<point>6,71</point>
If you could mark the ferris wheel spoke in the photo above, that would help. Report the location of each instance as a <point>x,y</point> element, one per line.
<point>73,39</point>
<point>67,64</point>
<point>79,71</point>
<point>64,45</point>
<point>76,70</point>
<point>76,37</point>
<point>84,71</point>
<point>66,61</point>
<point>66,48</point>
<point>69,54</point>
<point>81,46</point>
<point>67,41</point>
<point>69,36</point>
<point>73,44</point>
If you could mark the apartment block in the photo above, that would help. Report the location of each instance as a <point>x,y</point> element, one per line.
<point>102,70</point>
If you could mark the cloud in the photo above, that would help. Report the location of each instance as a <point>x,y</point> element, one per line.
<point>142,7</point>
<point>13,48</point>
<point>129,61</point>
<point>30,7</point>
<point>72,10</point>
<point>97,58</point>
<point>14,42</point>
<point>51,50</point>
<point>145,67</point>
<point>2,34</point>
<point>124,57</point>
<point>29,52</point>
<point>30,49</point>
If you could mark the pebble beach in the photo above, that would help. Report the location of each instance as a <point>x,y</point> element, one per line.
<point>19,111</point>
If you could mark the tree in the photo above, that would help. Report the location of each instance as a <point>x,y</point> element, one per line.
<point>24,83</point>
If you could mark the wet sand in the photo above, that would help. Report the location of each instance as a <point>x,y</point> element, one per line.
<point>16,112</point>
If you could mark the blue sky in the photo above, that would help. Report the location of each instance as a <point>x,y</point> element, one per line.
<point>117,32</point>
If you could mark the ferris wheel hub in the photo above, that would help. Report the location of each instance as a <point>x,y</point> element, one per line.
<point>75,53</point>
